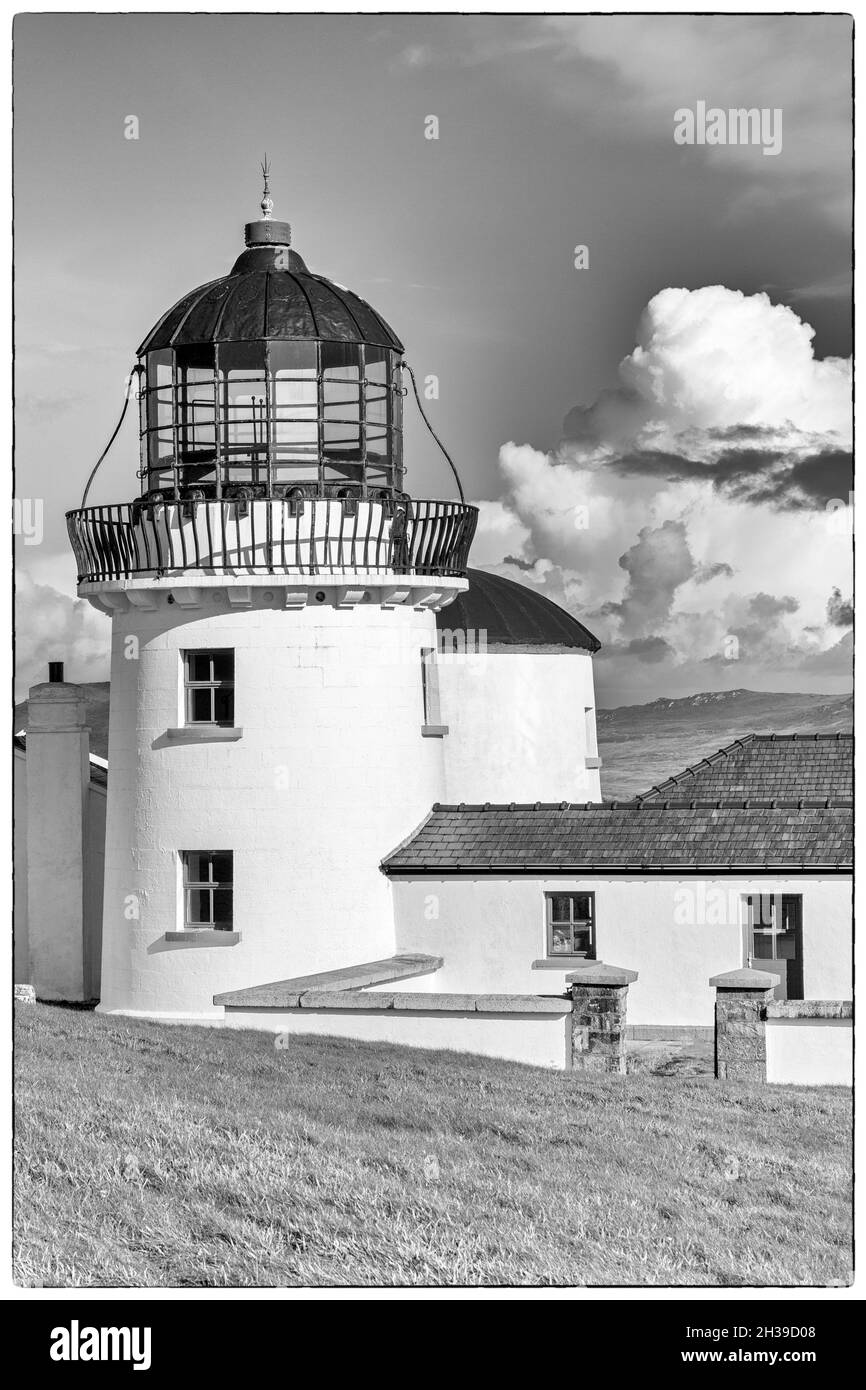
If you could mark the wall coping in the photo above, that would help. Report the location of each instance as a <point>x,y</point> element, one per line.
<point>599,973</point>
<point>809,1008</point>
<point>282,993</point>
<point>745,979</point>
<point>358,1001</point>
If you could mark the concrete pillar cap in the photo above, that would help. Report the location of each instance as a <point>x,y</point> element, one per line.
<point>596,972</point>
<point>745,979</point>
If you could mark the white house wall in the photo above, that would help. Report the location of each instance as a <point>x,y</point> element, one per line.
<point>675,932</point>
<point>517,727</point>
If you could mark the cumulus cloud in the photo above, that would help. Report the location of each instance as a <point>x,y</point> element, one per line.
<point>724,387</point>
<point>840,612</point>
<point>657,564</point>
<point>52,626</point>
<point>683,514</point>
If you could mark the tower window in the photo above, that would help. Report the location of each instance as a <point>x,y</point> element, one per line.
<point>210,687</point>
<point>571,924</point>
<point>207,889</point>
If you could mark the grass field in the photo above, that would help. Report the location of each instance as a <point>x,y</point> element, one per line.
<point>172,1156</point>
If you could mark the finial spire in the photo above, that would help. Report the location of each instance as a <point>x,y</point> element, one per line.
<point>267,203</point>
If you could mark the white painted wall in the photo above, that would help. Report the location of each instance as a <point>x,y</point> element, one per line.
<point>58,776</point>
<point>675,932</point>
<point>810,1051</point>
<point>94,879</point>
<point>21,954</point>
<point>540,1040</point>
<point>331,773</point>
<point>517,726</point>
<point>92,874</point>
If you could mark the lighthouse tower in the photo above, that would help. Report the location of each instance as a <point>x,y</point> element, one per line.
<point>273,594</point>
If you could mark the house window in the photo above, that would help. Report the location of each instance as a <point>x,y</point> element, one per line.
<point>571,924</point>
<point>210,687</point>
<point>207,889</point>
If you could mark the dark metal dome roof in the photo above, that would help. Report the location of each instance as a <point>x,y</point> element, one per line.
<point>513,615</point>
<point>270,293</point>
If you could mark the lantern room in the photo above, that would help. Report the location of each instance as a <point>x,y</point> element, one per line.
<point>271,382</point>
<point>271,437</point>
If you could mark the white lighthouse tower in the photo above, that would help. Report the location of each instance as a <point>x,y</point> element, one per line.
<point>273,594</point>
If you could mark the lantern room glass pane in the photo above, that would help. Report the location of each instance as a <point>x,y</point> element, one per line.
<point>293,359</point>
<point>196,408</point>
<point>341,406</point>
<point>159,369</point>
<point>376,390</point>
<point>295,409</point>
<point>294,368</point>
<point>243,411</point>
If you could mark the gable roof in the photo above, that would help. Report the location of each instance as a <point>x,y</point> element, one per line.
<point>767,766</point>
<point>636,837</point>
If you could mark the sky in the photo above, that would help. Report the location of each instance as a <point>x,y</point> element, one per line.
<point>659,440</point>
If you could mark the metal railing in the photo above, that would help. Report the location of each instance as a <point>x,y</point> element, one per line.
<point>316,536</point>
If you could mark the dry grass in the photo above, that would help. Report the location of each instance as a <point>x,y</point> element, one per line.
<point>150,1155</point>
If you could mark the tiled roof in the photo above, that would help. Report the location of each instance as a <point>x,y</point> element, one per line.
<point>814,766</point>
<point>632,837</point>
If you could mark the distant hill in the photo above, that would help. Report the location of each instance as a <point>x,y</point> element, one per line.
<point>96,701</point>
<point>641,745</point>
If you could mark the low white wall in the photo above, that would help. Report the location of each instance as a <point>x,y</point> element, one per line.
<point>540,1040</point>
<point>810,1051</point>
<point>676,932</point>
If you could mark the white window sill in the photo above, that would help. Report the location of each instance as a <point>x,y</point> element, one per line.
<point>203,936</point>
<point>434,730</point>
<point>205,733</point>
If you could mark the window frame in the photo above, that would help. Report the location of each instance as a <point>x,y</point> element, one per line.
<point>191,687</point>
<point>773,930</point>
<point>572,894</point>
<point>210,885</point>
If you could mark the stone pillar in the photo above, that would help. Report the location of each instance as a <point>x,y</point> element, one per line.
<point>599,993</point>
<point>741,997</point>
<point>58,777</point>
